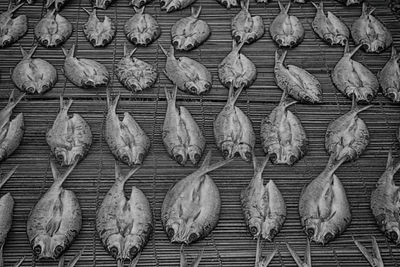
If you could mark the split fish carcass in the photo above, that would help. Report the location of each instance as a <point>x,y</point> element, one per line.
<point>389,77</point>
<point>98,33</point>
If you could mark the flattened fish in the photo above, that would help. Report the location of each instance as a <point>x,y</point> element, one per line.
<point>174,5</point>
<point>236,69</point>
<point>135,74</point>
<point>353,78</point>
<point>246,28</point>
<point>141,28</point>
<point>263,206</point>
<point>375,260</point>
<point>282,135</point>
<point>12,29</point>
<point>139,3</point>
<point>184,261</point>
<point>307,255</point>
<point>53,29</point>
<point>101,4</point>
<point>181,135</point>
<point>69,138</point>
<point>286,30</point>
<point>297,82</point>
<point>350,2</point>
<point>190,32</point>
<point>323,207</point>
<point>385,202</point>
<point>34,75</point>
<point>329,28</point>
<point>58,4</point>
<point>189,75</point>
<point>191,208</point>
<point>99,33</point>
<point>126,139</point>
<point>233,130</point>
<point>389,77</point>
<point>56,219</point>
<point>124,225</point>
<point>370,32</point>
<point>82,72</point>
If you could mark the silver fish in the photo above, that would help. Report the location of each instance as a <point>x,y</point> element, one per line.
<point>185,263</point>
<point>297,82</point>
<point>83,72</point>
<point>58,4</point>
<point>141,28</point>
<point>329,27</point>
<point>353,78</point>
<point>263,206</point>
<point>307,256</point>
<point>189,75</point>
<point>246,28</point>
<point>126,139</point>
<point>233,130</point>
<point>55,220</point>
<point>263,261</point>
<point>11,131</point>
<point>191,208</point>
<point>53,29</point>
<point>124,225</point>
<point>350,2</point>
<point>236,69</point>
<point>138,3</point>
<point>389,77</point>
<point>323,207</point>
<point>375,260</point>
<point>135,74</point>
<point>101,4</point>
<point>286,30</point>
<point>181,135</point>
<point>282,135</point>
<point>34,75</point>
<point>190,32</point>
<point>69,138</point>
<point>174,5</point>
<point>12,29</point>
<point>370,32</point>
<point>99,33</point>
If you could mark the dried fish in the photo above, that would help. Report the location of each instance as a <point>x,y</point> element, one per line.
<point>375,260</point>
<point>233,130</point>
<point>370,32</point>
<point>263,207</point>
<point>34,75</point>
<point>141,28</point>
<point>135,74</point>
<point>286,30</point>
<point>53,29</point>
<point>282,135</point>
<point>126,139</point>
<point>56,219</point>
<point>385,202</point>
<point>260,260</point>
<point>389,77</point>
<point>297,82</point>
<point>236,69</point>
<point>101,4</point>
<point>229,3</point>
<point>350,2</point>
<point>185,263</point>
<point>190,32</point>
<point>70,137</point>
<point>353,78</point>
<point>329,27</point>
<point>174,5</point>
<point>181,135</point>
<point>98,33</point>
<point>188,74</point>
<point>323,207</point>
<point>139,3</point>
<point>58,4</point>
<point>12,29</point>
<point>82,72</point>
<point>246,28</point>
<point>11,131</point>
<point>191,208</point>
<point>124,225</point>
<point>307,256</point>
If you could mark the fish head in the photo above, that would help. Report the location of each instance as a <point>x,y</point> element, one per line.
<point>179,154</point>
<point>195,153</point>
<point>228,149</point>
<point>245,151</point>
<point>326,233</point>
<point>270,228</point>
<point>198,87</point>
<point>311,96</point>
<point>363,94</point>
<point>114,246</point>
<point>287,40</point>
<point>42,247</point>
<point>311,227</point>
<point>376,46</point>
<point>393,94</point>
<point>339,40</point>
<point>255,226</point>
<point>6,40</point>
<point>67,157</point>
<point>102,4</point>
<point>138,155</point>
<point>133,84</point>
<point>132,246</point>
<point>283,155</point>
<point>138,3</point>
<point>389,227</point>
<point>58,245</point>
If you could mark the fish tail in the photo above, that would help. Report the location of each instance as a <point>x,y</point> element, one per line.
<point>76,258</point>
<point>139,10</point>
<point>65,107</point>
<point>19,263</point>
<point>280,58</point>
<point>281,6</point>
<point>319,6</point>
<point>123,179</point>
<point>112,103</point>
<point>233,96</point>
<point>259,165</point>
<point>12,102</point>
<point>206,167</point>
<point>69,53</point>
<point>87,11</point>
<point>171,97</point>
<point>57,176</point>
<point>196,11</point>
<point>135,261</point>
<point>390,165</point>
<point>244,4</point>
<point>8,176</point>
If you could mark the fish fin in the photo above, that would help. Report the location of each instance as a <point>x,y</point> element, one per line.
<point>57,176</point>
<point>171,97</point>
<point>7,176</point>
<point>207,160</point>
<point>163,50</point>
<point>375,250</point>
<point>307,255</point>
<point>196,11</point>
<point>12,101</point>
<point>76,258</point>
<point>53,225</point>
<point>19,263</point>
<point>204,169</point>
<point>139,10</point>
<point>87,11</point>
<point>69,53</point>
<point>244,4</point>
<point>353,51</point>
<point>123,179</point>
<point>259,166</point>
<point>296,257</point>
<point>135,261</point>
<point>196,261</point>
<point>365,252</point>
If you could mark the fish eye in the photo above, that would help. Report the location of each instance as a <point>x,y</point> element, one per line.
<point>133,252</point>
<point>192,237</point>
<point>179,159</point>
<point>293,159</point>
<point>273,157</point>
<point>60,157</point>
<point>225,153</point>
<point>58,250</point>
<point>273,233</point>
<point>170,233</point>
<point>310,232</point>
<point>393,236</point>
<point>328,237</point>
<point>125,159</point>
<point>114,252</point>
<point>37,250</point>
<point>248,155</point>
<point>253,230</point>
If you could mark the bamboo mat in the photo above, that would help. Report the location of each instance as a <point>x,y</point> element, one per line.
<point>230,244</point>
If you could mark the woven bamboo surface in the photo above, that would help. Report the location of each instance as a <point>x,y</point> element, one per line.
<point>230,244</point>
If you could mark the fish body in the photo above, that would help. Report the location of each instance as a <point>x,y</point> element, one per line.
<point>181,135</point>
<point>286,30</point>
<point>174,5</point>
<point>190,32</point>
<point>389,77</point>
<point>329,27</point>
<point>350,2</point>
<point>12,29</point>
<point>53,29</point>
<point>55,220</point>
<point>189,75</point>
<point>101,4</point>
<point>83,72</point>
<point>69,138</point>
<point>141,28</point>
<point>353,78</point>
<point>34,75</point>
<point>370,32</point>
<point>99,33</point>
<point>58,4</point>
